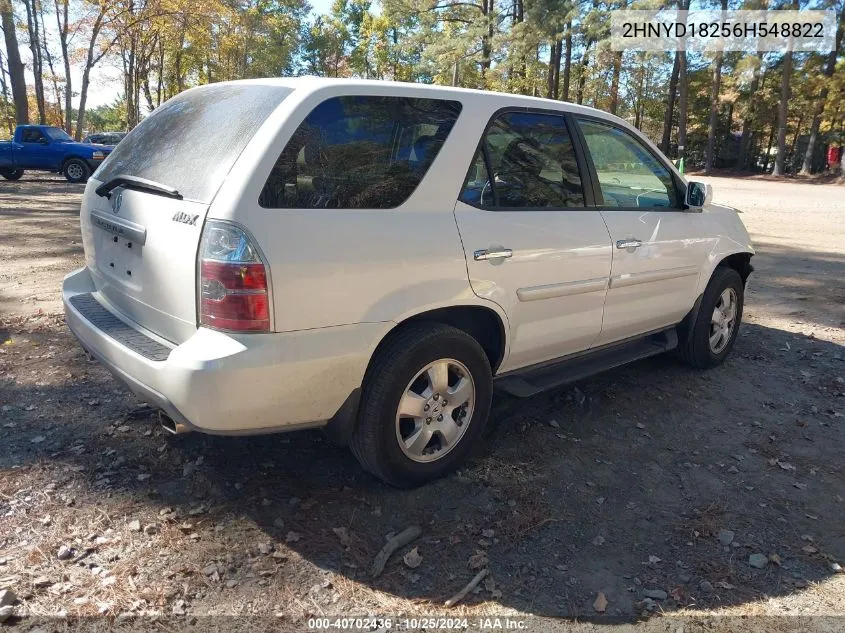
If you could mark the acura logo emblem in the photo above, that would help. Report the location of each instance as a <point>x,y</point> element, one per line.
<point>116,201</point>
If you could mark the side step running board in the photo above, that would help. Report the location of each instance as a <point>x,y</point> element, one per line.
<point>528,382</point>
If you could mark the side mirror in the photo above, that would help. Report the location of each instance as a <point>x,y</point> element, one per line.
<point>698,194</point>
<point>43,141</point>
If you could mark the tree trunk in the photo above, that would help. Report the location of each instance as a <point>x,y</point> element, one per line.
<point>792,145</point>
<point>567,61</point>
<point>90,61</point>
<point>160,72</point>
<point>683,100</point>
<point>783,114</point>
<point>521,66</point>
<point>669,114</point>
<point>54,79</point>
<point>638,105</point>
<point>487,8</point>
<point>16,74</point>
<point>62,23</point>
<point>554,68</point>
<point>715,87</point>
<point>37,66</point>
<point>830,66</point>
<point>769,147</point>
<point>616,70</point>
<point>556,85</point>
<point>582,74</point>
<point>614,82</point>
<point>818,110</point>
<point>4,87</point>
<point>743,160</point>
<point>683,97</point>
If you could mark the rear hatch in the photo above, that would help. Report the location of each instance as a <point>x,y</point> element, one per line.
<point>141,240</point>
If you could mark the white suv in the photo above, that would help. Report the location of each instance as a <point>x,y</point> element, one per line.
<point>372,257</point>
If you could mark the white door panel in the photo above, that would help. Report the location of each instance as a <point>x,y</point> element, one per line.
<point>652,284</point>
<point>553,285</point>
<point>658,249</point>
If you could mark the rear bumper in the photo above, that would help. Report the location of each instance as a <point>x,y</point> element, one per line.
<point>232,384</point>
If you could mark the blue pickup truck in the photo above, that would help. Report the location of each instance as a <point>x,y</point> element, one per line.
<point>47,148</point>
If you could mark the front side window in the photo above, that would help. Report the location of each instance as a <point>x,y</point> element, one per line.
<point>359,152</point>
<point>629,174</point>
<point>531,162</point>
<point>57,134</point>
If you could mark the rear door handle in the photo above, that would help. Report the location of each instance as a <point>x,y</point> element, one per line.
<point>499,253</point>
<point>628,243</point>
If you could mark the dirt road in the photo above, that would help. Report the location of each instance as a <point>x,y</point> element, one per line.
<point>654,485</point>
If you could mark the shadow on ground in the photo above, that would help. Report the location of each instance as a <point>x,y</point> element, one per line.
<point>619,484</point>
<point>798,283</point>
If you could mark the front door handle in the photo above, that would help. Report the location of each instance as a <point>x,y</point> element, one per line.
<point>628,243</point>
<point>499,253</point>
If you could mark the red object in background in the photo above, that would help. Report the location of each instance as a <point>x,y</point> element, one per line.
<point>833,155</point>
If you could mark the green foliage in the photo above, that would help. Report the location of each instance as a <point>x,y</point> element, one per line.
<point>107,118</point>
<point>517,46</point>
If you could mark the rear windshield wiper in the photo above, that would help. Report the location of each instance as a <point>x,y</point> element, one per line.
<point>134,182</point>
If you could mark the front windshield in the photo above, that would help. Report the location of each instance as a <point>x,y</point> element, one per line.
<point>56,134</point>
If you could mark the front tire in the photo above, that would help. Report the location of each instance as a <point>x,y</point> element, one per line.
<point>76,170</point>
<point>715,329</point>
<point>12,174</point>
<point>425,403</point>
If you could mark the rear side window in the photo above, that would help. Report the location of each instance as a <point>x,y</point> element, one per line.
<point>359,152</point>
<point>192,141</point>
<point>31,135</point>
<point>532,165</point>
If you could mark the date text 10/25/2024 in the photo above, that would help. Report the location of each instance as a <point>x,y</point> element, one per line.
<point>418,624</point>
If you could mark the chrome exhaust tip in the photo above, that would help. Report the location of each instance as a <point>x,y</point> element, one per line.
<point>170,425</point>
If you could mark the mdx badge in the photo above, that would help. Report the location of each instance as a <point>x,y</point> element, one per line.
<point>185,218</point>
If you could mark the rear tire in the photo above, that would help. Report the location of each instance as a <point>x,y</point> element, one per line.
<point>419,370</point>
<point>713,334</point>
<point>12,174</point>
<point>76,170</point>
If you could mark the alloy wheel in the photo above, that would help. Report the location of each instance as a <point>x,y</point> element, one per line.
<point>435,410</point>
<point>723,321</point>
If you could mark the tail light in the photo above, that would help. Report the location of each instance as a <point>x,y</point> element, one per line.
<point>232,281</point>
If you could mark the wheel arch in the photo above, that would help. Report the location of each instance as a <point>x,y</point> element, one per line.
<point>482,323</point>
<point>740,262</point>
<point>485,324</point>
<point>71,157</point>
<point>730,255</point>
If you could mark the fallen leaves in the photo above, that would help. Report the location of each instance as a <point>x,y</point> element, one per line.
<point>343,535</point>
<point>600,604</point>
<point>478,560</point>
<point>413,558</point>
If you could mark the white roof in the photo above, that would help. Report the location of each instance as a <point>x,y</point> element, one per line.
<point>312,83</point>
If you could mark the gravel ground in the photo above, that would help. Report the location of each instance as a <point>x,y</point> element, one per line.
<point>666,491</point>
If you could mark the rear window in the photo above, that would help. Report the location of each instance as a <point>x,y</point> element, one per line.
<point>192,141</point>
<point>359,152</point>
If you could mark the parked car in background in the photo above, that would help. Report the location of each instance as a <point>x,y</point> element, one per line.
<point>104,138</point>
<point>48,148</point>
<point>372,257</point>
